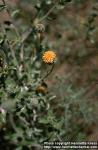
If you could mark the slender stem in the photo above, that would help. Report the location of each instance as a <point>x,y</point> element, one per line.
<point>47,14</point>
<point>38,13</point>
<point>26,35</point>
<point>48,73</point>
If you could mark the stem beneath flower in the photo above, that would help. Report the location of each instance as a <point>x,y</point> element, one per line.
<point>48,73</point>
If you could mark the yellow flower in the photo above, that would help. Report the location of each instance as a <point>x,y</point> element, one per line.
<point>49,57</point>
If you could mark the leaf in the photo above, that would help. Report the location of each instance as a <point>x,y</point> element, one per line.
<point>8,105</point>
<point>43,120</point>
<point>15,13</point>
<point>2,7</point>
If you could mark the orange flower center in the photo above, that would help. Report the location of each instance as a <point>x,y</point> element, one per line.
<point>49,56</point>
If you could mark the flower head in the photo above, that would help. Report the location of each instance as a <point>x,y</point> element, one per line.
<point>41,89</point>
<point>49,57</point>
<point>39,28</point>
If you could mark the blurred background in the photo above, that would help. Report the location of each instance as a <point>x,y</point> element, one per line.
<point>71,30</point>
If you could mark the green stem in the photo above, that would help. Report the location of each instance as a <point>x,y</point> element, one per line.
<point>47,14</point>
<point>48,73</point>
